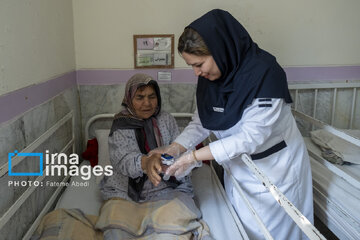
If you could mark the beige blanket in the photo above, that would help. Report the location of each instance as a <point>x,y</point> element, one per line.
<point>121,219</point>
<point>163,219</point>
<point>67,224</point>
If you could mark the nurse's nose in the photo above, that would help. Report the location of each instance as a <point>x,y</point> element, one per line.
<point>197,71</point>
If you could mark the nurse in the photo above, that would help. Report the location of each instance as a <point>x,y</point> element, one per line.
<point>243,98</point>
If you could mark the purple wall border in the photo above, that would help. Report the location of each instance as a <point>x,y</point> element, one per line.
<point>322,74</point>
<point>116,76</point>
<point>294,75</point>
<point>19,101</point>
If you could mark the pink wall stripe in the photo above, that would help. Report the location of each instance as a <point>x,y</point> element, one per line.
<point>19,101</point>
<point>116,76</point>
<point>294,75</point>
<point>323,74</point>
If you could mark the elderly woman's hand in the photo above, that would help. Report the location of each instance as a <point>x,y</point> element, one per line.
<point>151,165</point>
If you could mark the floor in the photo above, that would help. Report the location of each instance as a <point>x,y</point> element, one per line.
<point>324,230</point>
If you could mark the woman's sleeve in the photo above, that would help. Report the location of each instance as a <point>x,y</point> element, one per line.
<point>253,131</point>
<point>193,134</point>
<point>125,155</point>
<point>173,128</point>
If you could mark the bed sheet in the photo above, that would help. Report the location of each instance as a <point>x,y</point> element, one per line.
<point>350,173</point>
<point>207,196</point>
<point>86,198</point>
<point>336,193</point>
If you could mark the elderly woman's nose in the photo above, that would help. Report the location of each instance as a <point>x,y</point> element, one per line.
<point>146,101</point>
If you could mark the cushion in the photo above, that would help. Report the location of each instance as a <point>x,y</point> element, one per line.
<point>91,152</point>
<point>102,136</point>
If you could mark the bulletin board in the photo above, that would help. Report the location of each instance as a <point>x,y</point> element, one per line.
<point>154,51</point>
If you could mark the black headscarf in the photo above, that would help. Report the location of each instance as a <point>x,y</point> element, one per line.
<point>247,72</point>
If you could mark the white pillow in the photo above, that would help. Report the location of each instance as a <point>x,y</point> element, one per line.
<point>87,198</point>
<point>102,136</point>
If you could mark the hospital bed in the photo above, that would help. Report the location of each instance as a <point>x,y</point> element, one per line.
<point>216,209</point>
<point>336,188</point>
<point>209,195</point>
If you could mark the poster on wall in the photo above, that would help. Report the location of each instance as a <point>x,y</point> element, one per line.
<point>154,51</point>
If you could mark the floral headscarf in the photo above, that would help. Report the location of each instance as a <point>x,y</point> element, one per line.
<point>132,85</point>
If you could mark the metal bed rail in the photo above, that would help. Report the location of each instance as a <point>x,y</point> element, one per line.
<point>334,87</point>
<point>304,224</point>
<point>339,133</point>
<point>18,159</point>
<point>214,175</point>
<point>327,127</point>
<point>327,207</point>
<point>279,197</point>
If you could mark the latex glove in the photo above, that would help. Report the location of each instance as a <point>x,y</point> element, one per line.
<point>152,166</point>
<point>173,149</point>
<point>183,165</point>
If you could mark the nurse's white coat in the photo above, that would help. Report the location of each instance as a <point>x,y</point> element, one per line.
<point>267,131</point>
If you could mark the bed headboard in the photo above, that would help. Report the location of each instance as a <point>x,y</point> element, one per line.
<point>336,104</point>
<point>110,116</point>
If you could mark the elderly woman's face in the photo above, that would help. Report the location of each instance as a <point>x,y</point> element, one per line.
<point>204,66</point>
<point>145,102</point>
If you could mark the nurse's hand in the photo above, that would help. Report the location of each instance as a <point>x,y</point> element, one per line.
<point>173,149</point>
<point>151,165</point>
<point>183,165</point>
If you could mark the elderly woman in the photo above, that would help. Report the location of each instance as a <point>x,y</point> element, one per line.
<point>140,203</point>
<point>139,127</point>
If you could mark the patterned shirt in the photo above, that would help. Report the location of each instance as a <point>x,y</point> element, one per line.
<point>125,157</point>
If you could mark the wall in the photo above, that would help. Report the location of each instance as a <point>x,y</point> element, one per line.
<point>298,33</point>
<point>36,42</point>
<point>315,41</point>
<point>37,89</point>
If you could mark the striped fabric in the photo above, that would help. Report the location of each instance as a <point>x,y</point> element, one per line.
<point>163,219</point>
<point>178,218</point>
<point>67,224</point>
